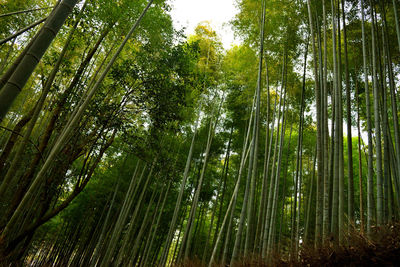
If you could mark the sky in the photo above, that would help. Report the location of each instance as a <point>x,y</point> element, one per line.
<point>188,13</point>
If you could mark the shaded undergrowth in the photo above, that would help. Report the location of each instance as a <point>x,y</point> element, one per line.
<point>380,248</point>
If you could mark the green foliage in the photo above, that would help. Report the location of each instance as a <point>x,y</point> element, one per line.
<point>146,108</point>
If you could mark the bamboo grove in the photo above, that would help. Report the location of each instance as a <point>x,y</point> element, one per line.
<point>124,142</point>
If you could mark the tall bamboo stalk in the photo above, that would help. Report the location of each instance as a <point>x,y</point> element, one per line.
<point>320,184</point>
<point>350,176</point>
<point>251,224</point>
<point>370,189</point>
<point>377,120</point>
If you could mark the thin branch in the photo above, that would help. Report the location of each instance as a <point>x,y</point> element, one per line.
<point>24,11</point>
<point>27,28</point>
<point>30,141</point>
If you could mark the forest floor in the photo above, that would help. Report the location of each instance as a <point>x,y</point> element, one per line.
<point>382,248</point>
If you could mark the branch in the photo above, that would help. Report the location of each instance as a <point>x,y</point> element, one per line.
<point>24,11</point>
<point>30,141</point>
<point>22,31</point>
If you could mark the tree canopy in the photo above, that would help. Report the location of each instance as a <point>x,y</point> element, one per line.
<point>124,142</point>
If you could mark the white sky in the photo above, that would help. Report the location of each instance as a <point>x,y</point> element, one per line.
<point>188,13</point>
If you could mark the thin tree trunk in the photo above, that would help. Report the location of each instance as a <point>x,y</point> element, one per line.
<point>378,149</point>
<point>396,16</point>
<point>320,183</point>
<point>370,190</point>
<point>360,174</point>
<point>6,150</point>
<point>341,212</point>
<point>393,99</point>
<point>284,188</point>
<point>395,175</point>
<point>272,231</point>
<point>4,61</point>
<point>24,11</point>
<point>300,202</point>
<point>308,212</point>
<point>298,152</point>
<point>385,128</point>
<point>350,183</point>
<point>328,163</point>
<point>264,187</point>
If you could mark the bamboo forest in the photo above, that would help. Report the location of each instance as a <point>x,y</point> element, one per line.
<point>126,141</point>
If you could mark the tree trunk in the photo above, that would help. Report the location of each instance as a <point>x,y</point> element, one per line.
<point>350,183</point>
<point>378,149</point>
<point>360,173</point>
<point>328,163</point>
<point>341,221</point>
<point>370,191</point>
<point>264,186</point>
<point>299,153</point>
<point>396,16</point>
<point>271,234</point>
<point>320,184</point>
